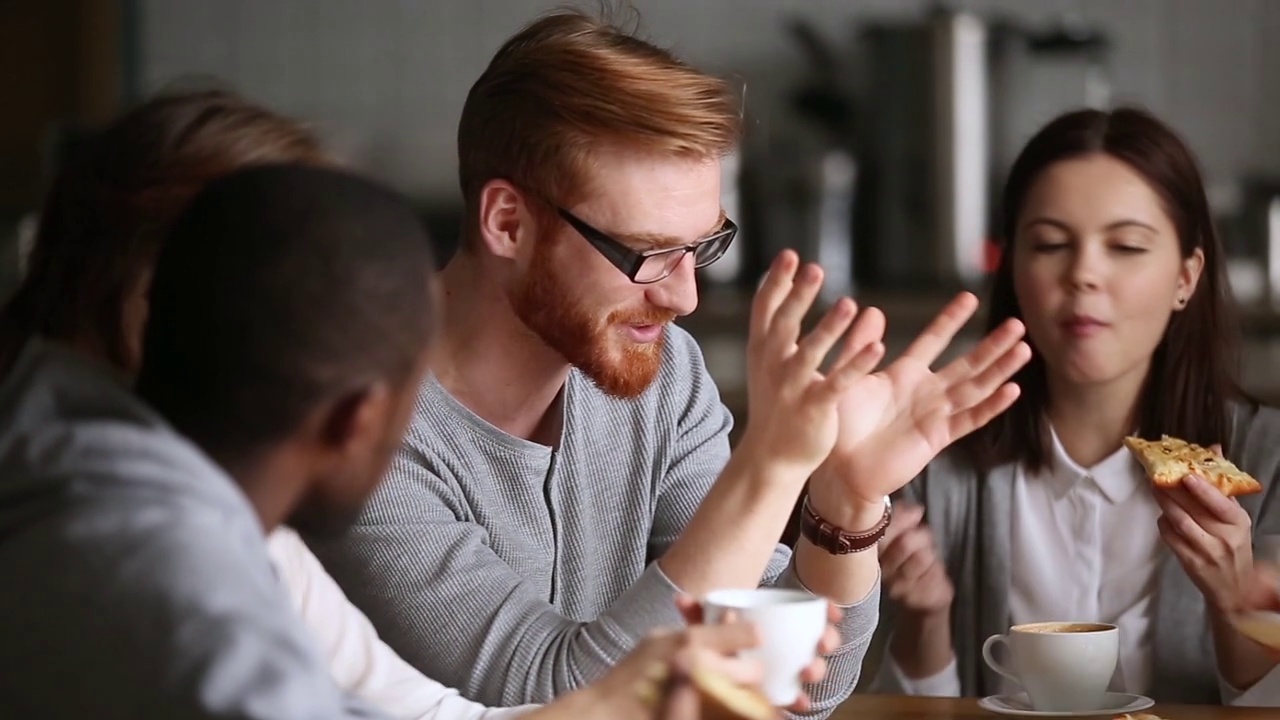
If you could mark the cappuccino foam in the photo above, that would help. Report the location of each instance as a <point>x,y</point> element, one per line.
<point>1062,628</point>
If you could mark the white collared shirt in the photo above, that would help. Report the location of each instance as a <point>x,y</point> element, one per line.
<point>361,663</point>
<point>1083,547</point>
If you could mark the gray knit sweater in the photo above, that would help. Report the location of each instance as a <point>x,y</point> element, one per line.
<point>516,572</point>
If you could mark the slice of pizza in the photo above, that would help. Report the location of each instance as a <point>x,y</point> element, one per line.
<point>723,699</point>
<point>1169,459</point>
<point>719,696</point>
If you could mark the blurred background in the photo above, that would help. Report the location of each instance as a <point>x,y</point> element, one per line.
<point>878,135</point>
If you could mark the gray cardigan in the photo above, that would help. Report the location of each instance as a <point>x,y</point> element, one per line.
<point>969,513</point>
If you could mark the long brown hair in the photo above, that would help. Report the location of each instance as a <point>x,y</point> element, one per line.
<point>102,221</point>
<point>1194,372</point>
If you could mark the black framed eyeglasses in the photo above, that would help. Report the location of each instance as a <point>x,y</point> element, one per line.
<point>651,266</point>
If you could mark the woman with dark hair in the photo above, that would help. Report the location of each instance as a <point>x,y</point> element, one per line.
<point>1111,259</point>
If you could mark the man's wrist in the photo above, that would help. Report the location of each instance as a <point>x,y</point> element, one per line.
<point>827,499</point>
<point>766,480</point>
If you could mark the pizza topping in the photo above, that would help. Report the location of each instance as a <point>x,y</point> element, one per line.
<point>1168,460</point>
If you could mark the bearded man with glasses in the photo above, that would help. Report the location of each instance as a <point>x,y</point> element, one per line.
<point>567,471</point>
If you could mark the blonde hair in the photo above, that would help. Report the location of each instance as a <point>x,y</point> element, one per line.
<point>570,83</point>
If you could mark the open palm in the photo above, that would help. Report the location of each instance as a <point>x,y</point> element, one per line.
<point>893,422</point>
<point>793,419</point>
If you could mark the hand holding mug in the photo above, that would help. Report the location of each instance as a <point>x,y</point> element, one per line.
<point>661,676</point>
<point>795,629</point>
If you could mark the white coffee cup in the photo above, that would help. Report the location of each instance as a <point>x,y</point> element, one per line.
<point>1063,666</point>
<point>790,624</point>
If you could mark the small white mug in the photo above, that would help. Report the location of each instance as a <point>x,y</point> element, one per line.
<point>790,624</point>
<point>1063,666</point>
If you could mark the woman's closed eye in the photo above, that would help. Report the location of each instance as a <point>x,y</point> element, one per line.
<point>1129,249</point>
<point>1129,245</point>
<point>1049,246</point>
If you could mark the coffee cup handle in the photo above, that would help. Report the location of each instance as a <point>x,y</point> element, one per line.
<point>987,655</point>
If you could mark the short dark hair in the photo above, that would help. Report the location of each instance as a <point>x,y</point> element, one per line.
<point>278,289</point>
<point>103,219</point>
<point>1194,372</point>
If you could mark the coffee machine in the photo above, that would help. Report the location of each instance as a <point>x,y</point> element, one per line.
<point>949,100</point>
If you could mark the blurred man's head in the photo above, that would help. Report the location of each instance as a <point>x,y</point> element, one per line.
<point>584,152</point>
<point>291,313</point>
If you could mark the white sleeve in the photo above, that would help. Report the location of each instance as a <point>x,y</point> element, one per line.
<point>945,683</point>
<point>1264,693</point>
<point>360,662</point>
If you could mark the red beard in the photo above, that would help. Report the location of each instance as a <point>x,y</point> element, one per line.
<point>617,365</point>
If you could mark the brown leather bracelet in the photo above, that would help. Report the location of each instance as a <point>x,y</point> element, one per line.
<point>837,540</point>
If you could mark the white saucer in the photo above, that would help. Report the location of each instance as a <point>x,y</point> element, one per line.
<point>1113,704</point>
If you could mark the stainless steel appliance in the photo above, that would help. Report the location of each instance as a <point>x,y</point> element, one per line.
<point>948,101</point>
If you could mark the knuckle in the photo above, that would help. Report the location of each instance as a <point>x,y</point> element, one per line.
<point>1184,524</point>
<point>918,540</point>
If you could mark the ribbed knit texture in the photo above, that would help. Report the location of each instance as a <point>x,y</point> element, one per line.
<point>517,573</point>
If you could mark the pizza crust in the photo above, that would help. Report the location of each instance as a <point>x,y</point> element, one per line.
<point>723,699</point>
<point>1168,460</point>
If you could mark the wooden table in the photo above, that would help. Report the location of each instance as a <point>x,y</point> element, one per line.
<point>899,707</point>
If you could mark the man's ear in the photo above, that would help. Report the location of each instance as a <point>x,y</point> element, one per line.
<point>352,418</point>
<point>505,219</point>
